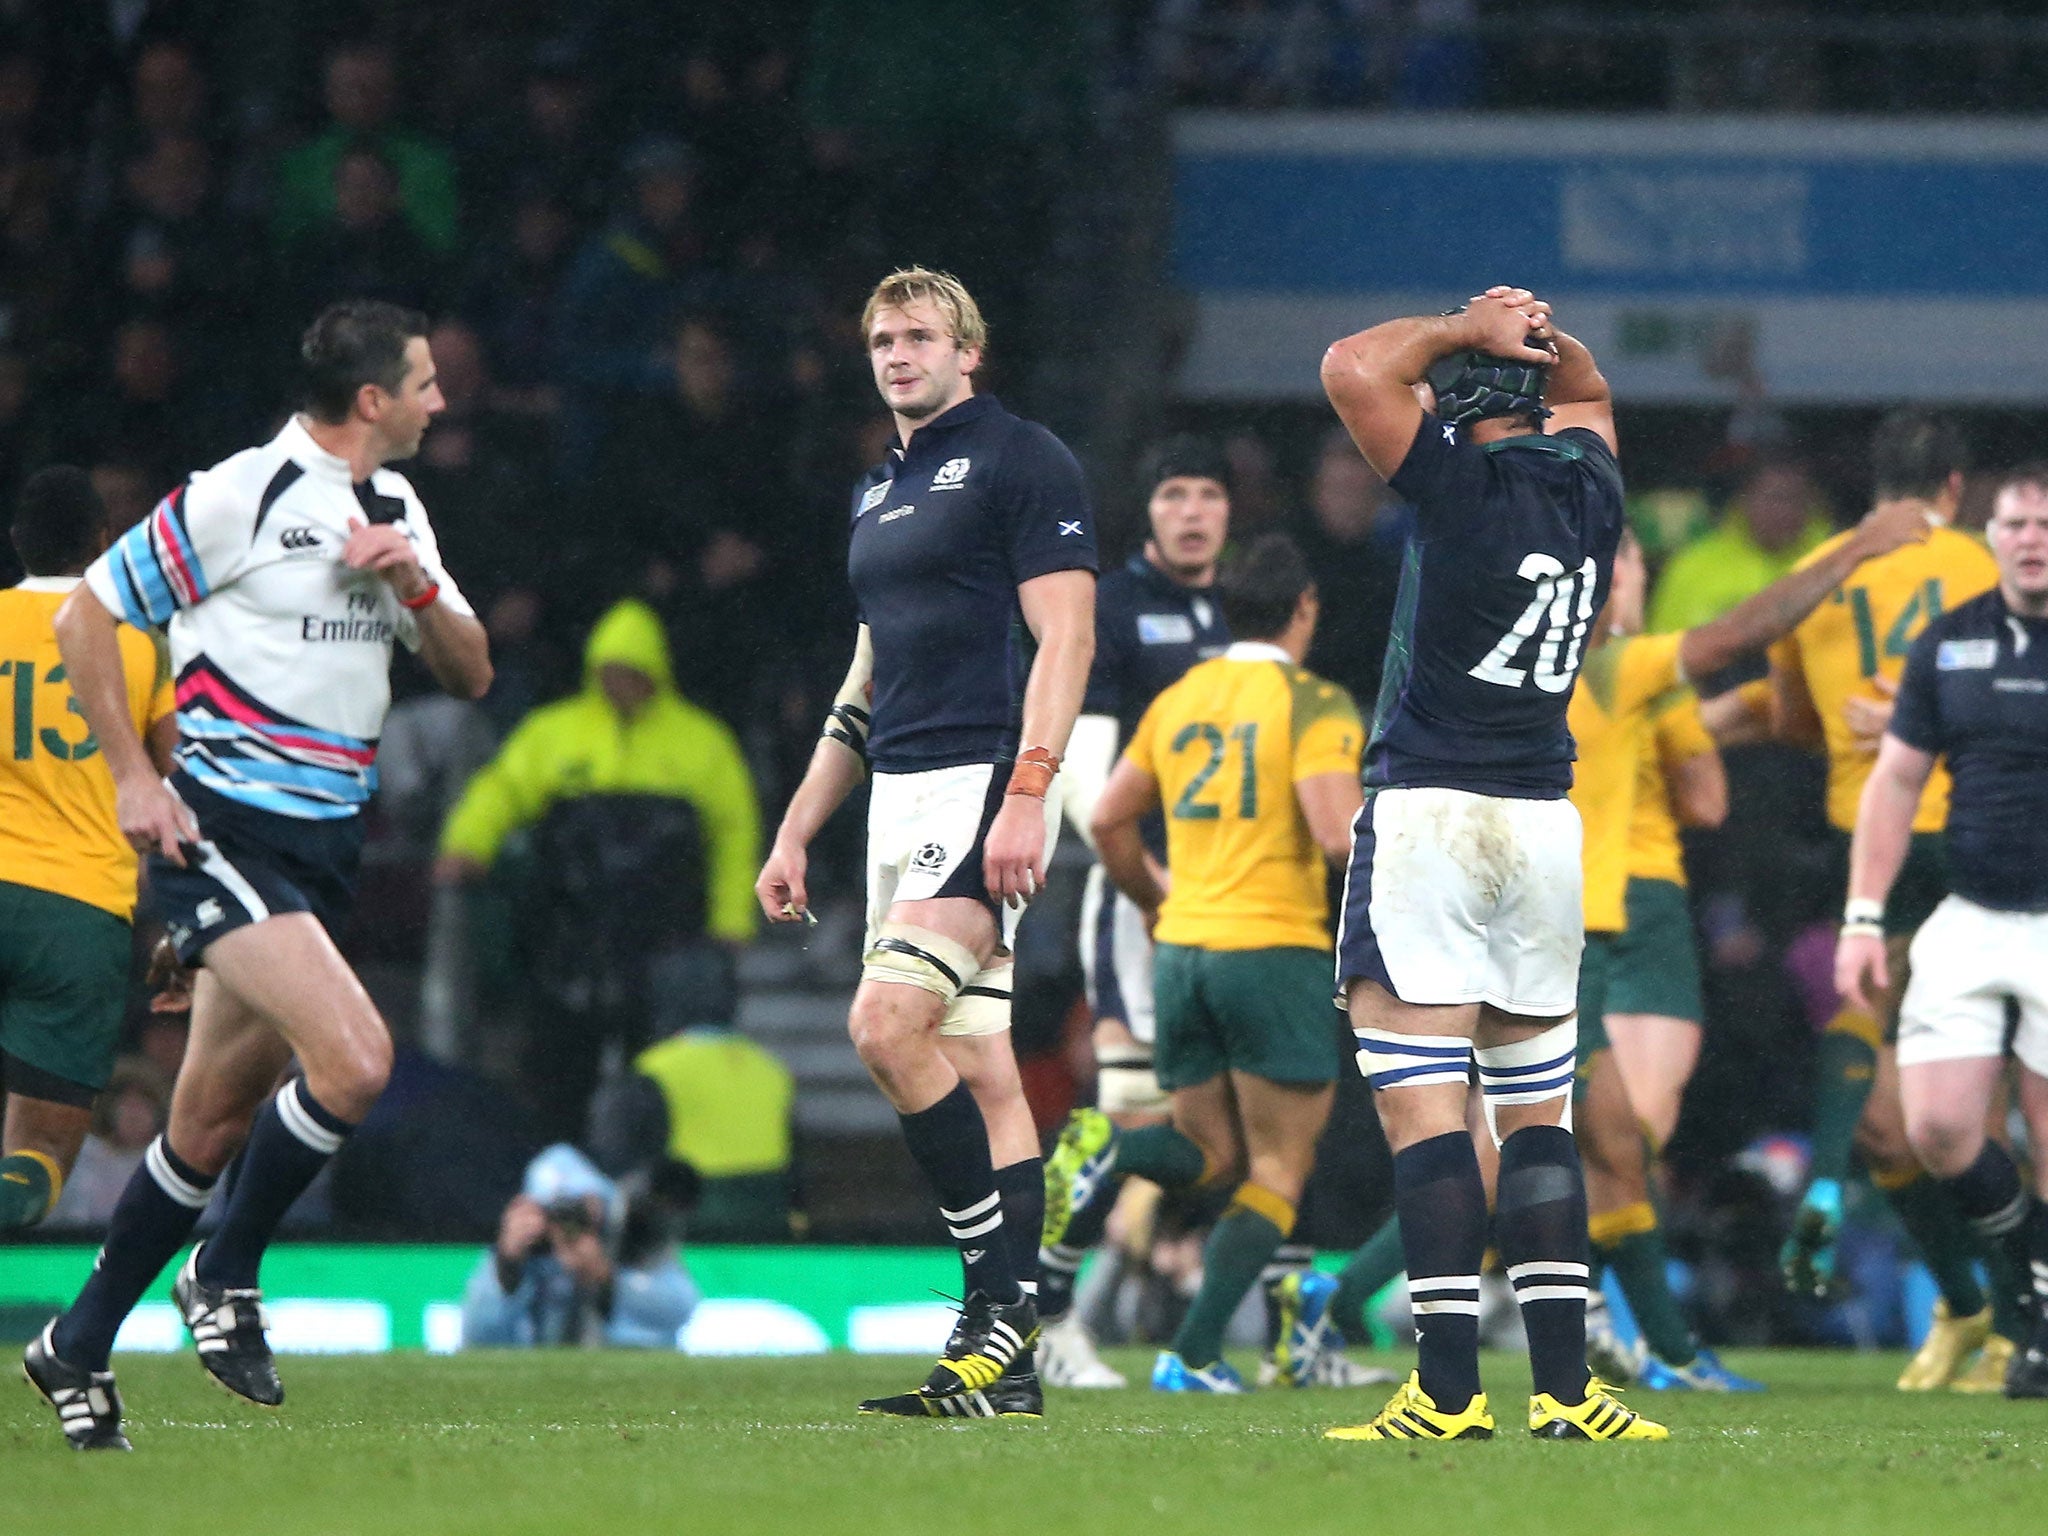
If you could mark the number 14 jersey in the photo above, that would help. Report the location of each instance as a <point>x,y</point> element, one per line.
<point>1228,743</point>
<point>1507,568</point>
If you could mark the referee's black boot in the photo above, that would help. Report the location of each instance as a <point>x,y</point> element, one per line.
<point>227,1325</point>
<point>87,1404</point>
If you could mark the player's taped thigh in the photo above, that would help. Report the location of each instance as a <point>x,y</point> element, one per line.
<point>909,956</point>
<point>983,1004</point>
<point>1391,1060</point>
<point>1530,1071</point>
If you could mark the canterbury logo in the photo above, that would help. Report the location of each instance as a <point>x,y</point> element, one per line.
<point>299,538</point>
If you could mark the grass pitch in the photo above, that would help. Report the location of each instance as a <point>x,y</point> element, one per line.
<point>405,1445</point>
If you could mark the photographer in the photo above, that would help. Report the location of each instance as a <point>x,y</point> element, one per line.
<point>573,1265</point>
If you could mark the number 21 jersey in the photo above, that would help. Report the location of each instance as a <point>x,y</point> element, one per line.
<point>1507,568</point>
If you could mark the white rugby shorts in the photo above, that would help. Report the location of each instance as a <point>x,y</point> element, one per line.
<point>925,832</point>
<point>1454,897</point>
<point>1116,956</point>
<point>1967,961</point>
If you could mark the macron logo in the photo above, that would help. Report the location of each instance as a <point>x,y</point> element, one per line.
<point>1068,529</point>
<point>893,513</point>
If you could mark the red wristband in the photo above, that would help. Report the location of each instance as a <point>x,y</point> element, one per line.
<point>425,600</point>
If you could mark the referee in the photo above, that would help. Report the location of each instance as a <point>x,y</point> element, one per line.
<point>975,530</point>
<point>1974,694</point>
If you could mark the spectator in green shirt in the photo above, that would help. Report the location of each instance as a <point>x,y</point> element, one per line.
<point>361,94</point>
<point>1774,522</point>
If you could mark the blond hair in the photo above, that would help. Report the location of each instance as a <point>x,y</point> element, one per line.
<point>942,290</point>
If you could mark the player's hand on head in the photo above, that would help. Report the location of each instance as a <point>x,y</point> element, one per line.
<point>1861,972</point>
<point>1501,327</point>
<point>1013,857</point>
<point>1893,525</point>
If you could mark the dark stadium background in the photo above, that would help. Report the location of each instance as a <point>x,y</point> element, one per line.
<point>167,227</point>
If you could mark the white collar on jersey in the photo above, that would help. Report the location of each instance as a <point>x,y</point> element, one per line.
<point>47,583</point>
<point>1256,650</point>
<point>299,446</point>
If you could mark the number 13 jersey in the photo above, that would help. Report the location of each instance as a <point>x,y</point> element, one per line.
<point>1228,743</point>
<point>1507,568</point>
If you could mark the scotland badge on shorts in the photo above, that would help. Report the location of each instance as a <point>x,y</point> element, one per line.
<point>931,857</point>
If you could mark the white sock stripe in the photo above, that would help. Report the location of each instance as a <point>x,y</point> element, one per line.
<point>1457,1285</point>
<point>1518,1272</point>
<point>2000,1222</point>
<point>963,1233</point>
<point>302,1125</point>
<point>1429,1308</point>
<point>979,1208</point>
<point>1028,1287</point>
<point>213,863</point>
<point>187,1194</point>
<point>1550,1293</point>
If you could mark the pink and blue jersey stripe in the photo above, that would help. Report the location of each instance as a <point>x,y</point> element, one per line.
<point>156,569</point>
<point>239,748</point>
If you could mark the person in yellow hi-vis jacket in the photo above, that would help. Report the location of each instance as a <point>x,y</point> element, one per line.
<point>67,876</point>
<point>647,836</point>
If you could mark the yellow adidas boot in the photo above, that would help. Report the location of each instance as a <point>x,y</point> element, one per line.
<point>1950,1341</point>
<point>1600,1417</point>
<point>1411,1415</point>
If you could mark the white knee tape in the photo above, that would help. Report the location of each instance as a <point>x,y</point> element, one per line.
<point>917,957</point>
<point>1389,1060</point>
<point>983,1006</point>
<point>1129,1087</point>
<point>1530,1071</point>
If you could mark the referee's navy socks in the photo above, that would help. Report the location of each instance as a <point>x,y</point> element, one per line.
<point>154,1216</point>
<point>292,1140</point>
<point>1441,1200</point>
<point>950,1143</point>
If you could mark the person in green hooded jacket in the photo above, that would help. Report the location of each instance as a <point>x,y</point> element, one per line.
<point>645,835</point>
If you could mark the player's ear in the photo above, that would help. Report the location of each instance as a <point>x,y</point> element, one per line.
<point>970,360</point>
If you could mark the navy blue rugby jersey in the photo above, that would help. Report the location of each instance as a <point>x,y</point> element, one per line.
<point>1975,693</point>
<point>1502,578</point>
<point>943,535</point>
<point>1149,629</point>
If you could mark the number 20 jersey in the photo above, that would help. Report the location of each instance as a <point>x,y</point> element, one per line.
<point>1505,573</point>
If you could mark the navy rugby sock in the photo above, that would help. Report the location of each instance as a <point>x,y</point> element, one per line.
<point>1996,1204</point>
<point>1022,1186</point>
<point>1540,1224</point>
<point>950,1143</point>
<point>293,1139</point>
<point>154,1216</point>
<point>1441,1201</point>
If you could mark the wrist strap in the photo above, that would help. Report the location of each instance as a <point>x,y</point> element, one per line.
<point>425,600</point>
<point>1861,911</point>
<point>1033,773</point>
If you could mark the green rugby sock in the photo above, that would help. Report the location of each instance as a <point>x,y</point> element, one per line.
<point>1845,1065</point>
<point>1931,1220</point>
<point>29,1185</point>
<point>1638,1261</point>
<point>1365,1274</point>
<point>1238,1248</point>
<point>1161,1154</point>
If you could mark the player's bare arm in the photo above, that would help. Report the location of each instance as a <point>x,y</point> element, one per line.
<point>838,764</point>
<point>1059,607</point>
<point>151,816</point>
<point>1577,393</point>
<point>1130,793</point>
<point>1329,804</point>
<point>1777,610</point>
<point>453,645</point>
<point>1794,718</point>
<point>1699,789</point>
<point>1884,828</point>
<point>1371,377</point>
